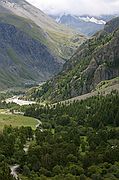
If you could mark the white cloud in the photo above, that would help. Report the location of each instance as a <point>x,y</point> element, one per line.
<point>77,7</point>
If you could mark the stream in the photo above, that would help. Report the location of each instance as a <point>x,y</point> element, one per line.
<point>14,168</point>
<point>14,171</point>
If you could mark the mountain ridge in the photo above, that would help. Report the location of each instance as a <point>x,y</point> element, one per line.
<point>86,24</point>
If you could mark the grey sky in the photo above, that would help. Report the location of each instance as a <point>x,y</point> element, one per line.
<point>78,7</point>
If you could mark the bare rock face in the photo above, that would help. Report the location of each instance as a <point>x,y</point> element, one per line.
<point>91,68</point>
<point>103,63</point>
<point>101,73</point>
<point>106,64</point>
<point>108,60</point>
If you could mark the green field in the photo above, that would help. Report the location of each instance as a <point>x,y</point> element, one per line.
<point>17,121</point>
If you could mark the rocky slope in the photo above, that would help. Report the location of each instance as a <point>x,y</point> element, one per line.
<point>24,59</point>
<point>32,45</point>
<point>96,60</point>
<point>56,36</point>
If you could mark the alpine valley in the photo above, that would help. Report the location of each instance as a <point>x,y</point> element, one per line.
<point>96,60</point>
<point>59,93</point>
<point>33,47</point>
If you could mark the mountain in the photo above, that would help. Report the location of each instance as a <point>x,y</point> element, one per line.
<point>23,59</point>
<point>56,37</point>
<point>32,45</point>
<point>86,24</point>
<point>96,60</point>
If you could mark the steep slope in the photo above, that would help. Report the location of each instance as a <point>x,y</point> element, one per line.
<point>32,45</point>
<point>57,37</point>
<point>24,59</point>
<point>95,60</point>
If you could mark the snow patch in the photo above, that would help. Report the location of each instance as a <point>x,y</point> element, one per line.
<point>85,19</point>
<point>93,20</point>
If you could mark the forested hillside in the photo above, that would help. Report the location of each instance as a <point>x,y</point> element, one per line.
<point>96,60</point>
<point>76,141</point>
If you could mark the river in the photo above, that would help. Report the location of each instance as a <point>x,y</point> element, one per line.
<point>17,100</point>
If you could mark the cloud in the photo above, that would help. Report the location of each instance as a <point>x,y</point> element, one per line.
<point>77,7</point>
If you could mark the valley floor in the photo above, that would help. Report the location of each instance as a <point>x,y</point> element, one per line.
<point>17,121</point>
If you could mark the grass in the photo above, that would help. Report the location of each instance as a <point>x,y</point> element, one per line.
<point>17,121</point>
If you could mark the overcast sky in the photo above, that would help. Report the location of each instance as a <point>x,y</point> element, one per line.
<point>78,7</point>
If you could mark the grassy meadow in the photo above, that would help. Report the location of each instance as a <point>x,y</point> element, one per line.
<point>17,121</point>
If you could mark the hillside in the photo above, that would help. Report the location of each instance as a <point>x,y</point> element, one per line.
<point>96,60</point>
<point>32,45</point>
<point>24,59</point>
<point>104,88</point>
<point>59,39</point>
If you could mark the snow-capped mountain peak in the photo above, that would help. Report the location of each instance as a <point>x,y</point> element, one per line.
<point>85,24</point>
<point>92,19</point>
<point>82,18</point>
